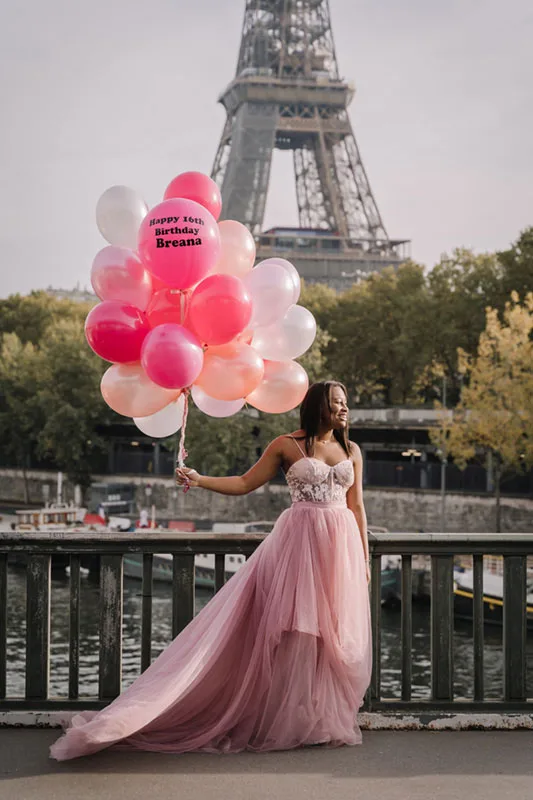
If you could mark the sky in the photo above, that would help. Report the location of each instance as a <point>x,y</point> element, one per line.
<point>125,92</point>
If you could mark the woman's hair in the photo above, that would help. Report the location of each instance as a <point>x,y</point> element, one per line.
<point>315,409</point>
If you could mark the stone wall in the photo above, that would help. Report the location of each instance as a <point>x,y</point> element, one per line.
<point>395,509</point>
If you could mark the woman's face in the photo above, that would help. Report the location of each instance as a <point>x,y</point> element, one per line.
<point>338,406</point>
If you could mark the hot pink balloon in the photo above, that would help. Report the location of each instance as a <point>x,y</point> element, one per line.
<point>116,331</point>
<point>119,274</point>
<point>231,371</point>
<point>215,408</point>
<point>179,242</point>
<point>198,187</point>
<point>172,356</point>
<point>271,289</point>
<point>283,387</point>
<point>219,309</point>
<point>166,305</point>
<point>127,389</point>
<point>237,254</point>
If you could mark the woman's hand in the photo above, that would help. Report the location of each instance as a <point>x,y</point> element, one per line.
<point>187,477</point>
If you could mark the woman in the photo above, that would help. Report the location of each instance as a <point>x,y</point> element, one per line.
<point>281,656</point>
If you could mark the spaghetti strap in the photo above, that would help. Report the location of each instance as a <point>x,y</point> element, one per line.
<point>298,446</point>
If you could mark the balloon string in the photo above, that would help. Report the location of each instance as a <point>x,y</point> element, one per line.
<point>182,452</point>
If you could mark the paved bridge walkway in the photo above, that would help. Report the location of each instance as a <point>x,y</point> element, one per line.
<point>391,765</point>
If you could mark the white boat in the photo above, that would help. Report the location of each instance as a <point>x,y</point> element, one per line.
<point>204,563</point>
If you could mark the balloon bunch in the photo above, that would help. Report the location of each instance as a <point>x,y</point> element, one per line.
<point>184,310</point>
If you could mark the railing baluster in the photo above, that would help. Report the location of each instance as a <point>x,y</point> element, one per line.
<point>478,630</point>
<point>514,627</point>
<point>111,569</point>
<point>407,625</point>
<point>146,623</point>
<point>74,629</point>
<point>375,608</point>
<point>3,623</point>
<point>37,626</point>
<point>220,571</point>
<point>182,592</point>
<point>442,627</point>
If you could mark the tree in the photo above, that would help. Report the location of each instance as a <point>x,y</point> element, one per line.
<point>379,331</point>
<point>30,316</point>
<point>517,268</point>
<point>70,400</point>
<point>21,417</point>
<point>495,415</point>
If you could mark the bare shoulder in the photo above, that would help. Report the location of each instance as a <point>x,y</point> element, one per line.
<point>355,452</point>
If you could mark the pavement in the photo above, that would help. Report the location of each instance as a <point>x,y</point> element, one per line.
<point>389,765</point>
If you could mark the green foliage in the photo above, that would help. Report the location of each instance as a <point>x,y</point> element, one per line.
<point>30,316</point>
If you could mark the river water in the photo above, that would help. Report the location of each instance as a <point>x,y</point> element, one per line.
<point>162,635</point>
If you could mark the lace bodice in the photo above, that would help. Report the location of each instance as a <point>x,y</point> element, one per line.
<point>313,481</point>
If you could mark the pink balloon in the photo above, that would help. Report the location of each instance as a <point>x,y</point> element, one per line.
<point>237,254</point>
<point>271,289</point>
<point>291,271</point>
<point>166,306</point>
<point>127,389</point>
<point>215,408</point>
<point>219,309</point>
<point>179,242</point>
<point>198,187</point>
<point>283,387</point>
<point>172,356</point>
<point>119,274</point>
<point>116,331</point>
<point>230,371</point>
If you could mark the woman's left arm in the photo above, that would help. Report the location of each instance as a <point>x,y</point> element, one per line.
<point>354,498</point>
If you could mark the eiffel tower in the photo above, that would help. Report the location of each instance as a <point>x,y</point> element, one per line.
<point>287,94</point>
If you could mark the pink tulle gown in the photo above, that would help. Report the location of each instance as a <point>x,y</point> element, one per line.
<point>279,658</point>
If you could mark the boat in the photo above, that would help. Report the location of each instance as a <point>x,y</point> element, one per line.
<point>492,596</point>
<point>204,563</point>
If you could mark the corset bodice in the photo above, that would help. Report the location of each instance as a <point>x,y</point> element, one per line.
<point>313,481</point>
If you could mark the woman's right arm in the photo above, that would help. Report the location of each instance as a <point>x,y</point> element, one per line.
<point>261,472</point>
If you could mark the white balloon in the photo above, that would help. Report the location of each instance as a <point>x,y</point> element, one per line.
<point>293,273</point>
<point>165,422</point>
<point>119,213</point>
<point>215,408</point>
<point>271,289</point>
<point>287,339</point>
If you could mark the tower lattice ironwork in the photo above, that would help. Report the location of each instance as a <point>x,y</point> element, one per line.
<point>287,94</point>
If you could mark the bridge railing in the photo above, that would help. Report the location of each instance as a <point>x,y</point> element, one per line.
<point>109,550</point>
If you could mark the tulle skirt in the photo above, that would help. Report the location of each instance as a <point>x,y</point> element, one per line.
<point>279,658</point>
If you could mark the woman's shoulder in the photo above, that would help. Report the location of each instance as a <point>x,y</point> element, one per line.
<point>355,451</point>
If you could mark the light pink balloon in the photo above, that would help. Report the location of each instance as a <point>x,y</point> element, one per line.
<point>172,356</point>
<point>127,389</point>
<point>179,242</point>
<point>293,273</point>
<point>288,338</point>
<point>119,274</point>
<point>165,422</point>
<point>198,187</point>
<point>230,371</point>
<point>237,253</point>
<point>219,309</point>
<point>215,408</point>
<point>283,387</point>
<point>271,289</point>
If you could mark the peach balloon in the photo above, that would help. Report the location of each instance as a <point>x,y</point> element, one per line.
<point>237,253</point>
<point>231,371</point>
<point>283,387</point>
<point>127,389</point>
